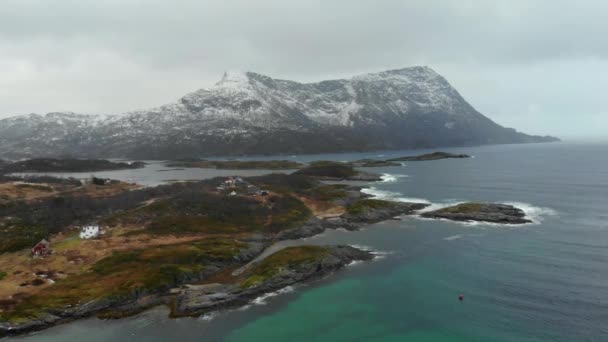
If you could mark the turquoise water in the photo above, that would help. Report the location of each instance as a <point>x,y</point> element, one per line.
<point>542,282</point>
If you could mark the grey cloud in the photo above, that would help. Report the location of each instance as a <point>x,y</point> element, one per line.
<point>506,57</point>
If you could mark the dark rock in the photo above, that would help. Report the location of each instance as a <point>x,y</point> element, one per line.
<point>431,156</point>
<point>484,212</point>
<point>373,163</point>
<point>198,300</point>
<point>374,215</point>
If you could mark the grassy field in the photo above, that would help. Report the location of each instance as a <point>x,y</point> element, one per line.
<point>155,239</point>
<point>126,273</point>
<point>209,213</point>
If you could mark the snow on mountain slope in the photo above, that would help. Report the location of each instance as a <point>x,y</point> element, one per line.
<point>247,112</point>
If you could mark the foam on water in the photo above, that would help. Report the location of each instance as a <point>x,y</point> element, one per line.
<point>377,254</point>
<point>453,237</point>
<point>391,178</point>
<point>536,214</point>
<point>261,300</point>
<point>391,195</point>
<point>354,262</point>
<point>208,317</point>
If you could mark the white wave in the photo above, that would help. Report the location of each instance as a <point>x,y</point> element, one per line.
<point>354,262</point>
<point>209,316</point>
<point>261,300</point>
<point>536,214</point>
<point>377,254</point>
<point>391,195</point>
<point>380,255</point>
<point>391,178</point>
<point>453,237</point>
<point>363,248</point>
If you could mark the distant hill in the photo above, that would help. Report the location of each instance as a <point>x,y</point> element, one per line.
<point>249,113</point>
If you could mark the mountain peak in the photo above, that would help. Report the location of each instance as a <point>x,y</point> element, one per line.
<point>234,78</point>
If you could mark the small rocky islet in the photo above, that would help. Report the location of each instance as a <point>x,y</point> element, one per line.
<point>480,212</point>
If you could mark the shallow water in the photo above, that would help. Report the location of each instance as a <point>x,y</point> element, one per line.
<point>546,281</point>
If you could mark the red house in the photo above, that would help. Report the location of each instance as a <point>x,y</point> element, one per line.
<point>42,248</point>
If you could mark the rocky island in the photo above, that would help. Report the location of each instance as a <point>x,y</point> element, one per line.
<point>430,156</point>
<point>237,164</point>
<point>482,212</point>
<point>397,161</point>
<point>336,171</point>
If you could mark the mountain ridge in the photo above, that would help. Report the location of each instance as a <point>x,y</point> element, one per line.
<point>250,113</point>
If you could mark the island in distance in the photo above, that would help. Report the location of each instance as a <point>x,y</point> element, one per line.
<point>247,113</point>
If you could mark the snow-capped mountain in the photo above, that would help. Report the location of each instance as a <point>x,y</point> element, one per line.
<point>249,113</point>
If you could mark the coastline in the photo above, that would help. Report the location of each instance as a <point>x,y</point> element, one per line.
<point>143,301</point>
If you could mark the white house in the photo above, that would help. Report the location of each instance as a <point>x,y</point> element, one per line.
<point>89,232</point>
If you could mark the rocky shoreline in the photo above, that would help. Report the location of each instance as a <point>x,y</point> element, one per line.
<point>195,300</point>
<point>192,300</point>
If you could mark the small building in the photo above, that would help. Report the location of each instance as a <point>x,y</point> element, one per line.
<point>229,182</point>
<point>42,248</point>
<point>253,190</point>
<point>90,232</point>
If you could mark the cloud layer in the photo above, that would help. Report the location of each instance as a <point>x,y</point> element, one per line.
<point>534,65</point>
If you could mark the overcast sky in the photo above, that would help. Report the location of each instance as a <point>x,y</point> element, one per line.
<point>538,66</point>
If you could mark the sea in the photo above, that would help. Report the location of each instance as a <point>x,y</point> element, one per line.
<point>544,281</point>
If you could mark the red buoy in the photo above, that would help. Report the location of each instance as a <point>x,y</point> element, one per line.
<point>461,297</point>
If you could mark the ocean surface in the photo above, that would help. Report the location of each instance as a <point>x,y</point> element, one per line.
<point>546,281</point>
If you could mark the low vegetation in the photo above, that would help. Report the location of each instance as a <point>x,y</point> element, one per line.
<point>327,193</point>
<point>284,184</point>
<point>15,236</point>
<point>364,205</point>
<point>464,208</point>
<point>328,169</point>
<point>284,259</point>
<point>2,275</point>
<point>209,213</point>
<point>127,274</point>
<point>153,238</point>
